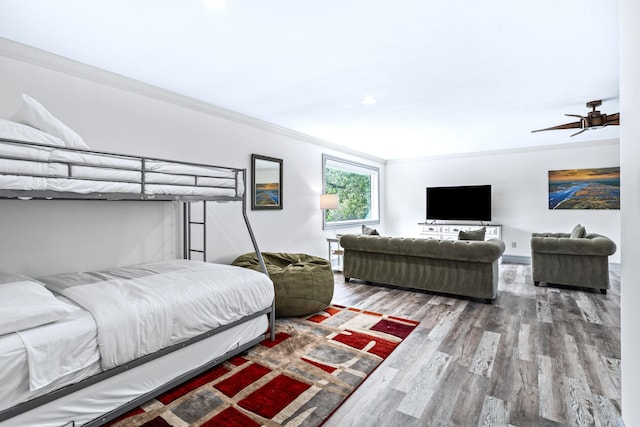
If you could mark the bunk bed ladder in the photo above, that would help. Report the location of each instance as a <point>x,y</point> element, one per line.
<point>188,229</point>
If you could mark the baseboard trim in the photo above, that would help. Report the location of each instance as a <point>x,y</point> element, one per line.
<point>516,259</point>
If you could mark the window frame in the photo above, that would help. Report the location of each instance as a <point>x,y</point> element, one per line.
<point>350,165</point>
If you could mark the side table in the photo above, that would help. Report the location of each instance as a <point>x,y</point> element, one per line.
<point>335,252</point>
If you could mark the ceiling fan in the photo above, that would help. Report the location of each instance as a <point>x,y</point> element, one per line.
<point>593,120</point>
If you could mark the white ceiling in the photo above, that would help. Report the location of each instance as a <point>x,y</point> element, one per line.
<point>450,76</point>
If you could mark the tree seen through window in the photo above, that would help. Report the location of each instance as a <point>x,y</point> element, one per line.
<point>357,189</point>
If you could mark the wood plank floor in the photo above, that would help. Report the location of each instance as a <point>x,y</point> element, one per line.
<point>539,356</point>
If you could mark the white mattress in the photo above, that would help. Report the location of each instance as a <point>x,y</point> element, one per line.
<point>51,169</point>
<point>131,311</point>
<point>96,400</point>
<point>77,332</point>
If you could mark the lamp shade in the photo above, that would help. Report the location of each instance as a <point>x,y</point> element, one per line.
<point>329,201</point>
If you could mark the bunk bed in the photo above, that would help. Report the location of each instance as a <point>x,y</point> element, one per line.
<point>86,366</point>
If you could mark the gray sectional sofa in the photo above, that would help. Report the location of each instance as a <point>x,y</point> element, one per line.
<point>456,267</point>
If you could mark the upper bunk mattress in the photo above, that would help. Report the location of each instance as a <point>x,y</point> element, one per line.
<point>28,166</point>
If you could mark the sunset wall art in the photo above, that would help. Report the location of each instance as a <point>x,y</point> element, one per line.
<point>597,188</point>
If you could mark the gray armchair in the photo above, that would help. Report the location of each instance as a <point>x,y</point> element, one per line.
<point>558,258</point>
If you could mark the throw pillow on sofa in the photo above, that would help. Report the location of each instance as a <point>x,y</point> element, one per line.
<point>472,234</point>
<point>578,232</point>
<point>368,231</point>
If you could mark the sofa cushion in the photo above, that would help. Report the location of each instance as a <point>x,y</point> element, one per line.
<point>458,250</point>
<point>578,232</point>
<point>472,234</point>
<point>562,243</point>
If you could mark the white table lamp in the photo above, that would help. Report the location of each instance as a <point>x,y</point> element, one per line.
<point>329,201</point>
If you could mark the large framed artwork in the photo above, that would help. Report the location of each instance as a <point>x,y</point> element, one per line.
<point>597,188</point>
<point>266,182</point>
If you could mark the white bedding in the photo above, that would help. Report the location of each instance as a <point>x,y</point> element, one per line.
<point>58,349</point>
<point>25,152</point>
<point>157,308</point>
<point>89,186</point>
<point>75,336</point>
<point>14,182</point>
<point>95,159</point>
<point>33,167</point>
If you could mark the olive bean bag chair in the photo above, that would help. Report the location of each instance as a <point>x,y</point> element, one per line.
<point>303,283</point>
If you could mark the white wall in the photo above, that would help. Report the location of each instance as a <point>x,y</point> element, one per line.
<point>519,180</point>
<point>118,115</point>
<point>630,170</point>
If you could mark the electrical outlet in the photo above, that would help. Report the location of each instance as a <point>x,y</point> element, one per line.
<point>514,244</point>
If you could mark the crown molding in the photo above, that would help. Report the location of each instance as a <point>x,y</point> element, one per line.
<point>507,151</point>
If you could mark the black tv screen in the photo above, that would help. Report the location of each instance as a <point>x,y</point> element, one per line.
<point>461,203</point>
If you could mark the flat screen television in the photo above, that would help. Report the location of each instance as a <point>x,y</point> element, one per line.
<point>460,203</point>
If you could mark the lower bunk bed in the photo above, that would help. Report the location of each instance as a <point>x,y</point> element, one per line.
<point>111,340</point>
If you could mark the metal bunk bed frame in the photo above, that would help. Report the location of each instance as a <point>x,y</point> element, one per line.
<point>188,250</point>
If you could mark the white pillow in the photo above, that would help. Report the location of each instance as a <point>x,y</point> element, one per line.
<point>32,113</point>
<point>20,132</point>
<point>27,304</point>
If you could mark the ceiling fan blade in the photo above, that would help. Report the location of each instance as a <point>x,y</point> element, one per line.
<point>575,115</point>
<point>573,125</point>
<point>613,119</point>
<point>579,132</point>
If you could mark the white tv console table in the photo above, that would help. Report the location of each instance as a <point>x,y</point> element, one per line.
<point>427,230</point>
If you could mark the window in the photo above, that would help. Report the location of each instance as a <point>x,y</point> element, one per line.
<point>357,186</point>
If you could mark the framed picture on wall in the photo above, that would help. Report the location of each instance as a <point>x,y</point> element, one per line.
<point>597,188</point>
<point>266,182</point>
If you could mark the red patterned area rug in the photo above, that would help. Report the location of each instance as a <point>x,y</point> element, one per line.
<point>299,379</point>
